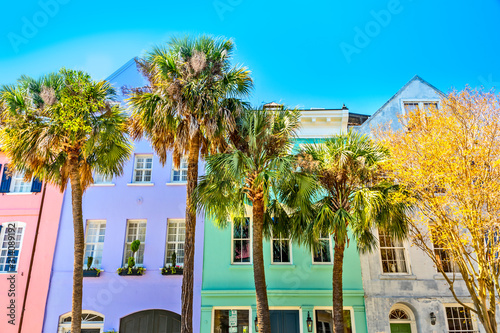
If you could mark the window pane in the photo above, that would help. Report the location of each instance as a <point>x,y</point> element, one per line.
<point>392,253</point>
<point>239,319</point>
<point>175,241</point>
<point>135,230</point>
<point>324,321</point>
<point>459,320</point>
<point>13,234</point>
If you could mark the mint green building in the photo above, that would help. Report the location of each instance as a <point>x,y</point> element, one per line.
<point>299,282</point>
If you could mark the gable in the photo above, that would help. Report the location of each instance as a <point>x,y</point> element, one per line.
<point>416,90</point>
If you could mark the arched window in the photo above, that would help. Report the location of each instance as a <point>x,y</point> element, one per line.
<point>399,314</point>
<point>92,322</point>
<point>402,319</point>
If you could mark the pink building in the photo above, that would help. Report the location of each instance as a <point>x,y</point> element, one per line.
<point>29,221</point>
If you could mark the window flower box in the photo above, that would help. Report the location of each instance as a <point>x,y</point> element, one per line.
<point>134,271</point>
<point>92,272</point>
<point>172,271</point>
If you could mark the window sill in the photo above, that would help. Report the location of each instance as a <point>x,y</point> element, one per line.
<point>456,276</point>
<point>176,184</point>
<point>11,273</point>
<point>19,193</point>
<point>389,276</point>
<point>321,265</point>
<point>141,184</point>
<point>241,266</point>
<point>282,266</point>
<point>102,185</point>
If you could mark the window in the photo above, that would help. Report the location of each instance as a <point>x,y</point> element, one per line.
<point>459,319</point>
<point>176,233</point>
<point>101,179</point>
<point>92,322</point>
<point>241,242</point>
<point>11,236</point>
<point>180,175</point>
<point>442,254</point>
<point>428,105</point>
<point>324,321</point>
<point>142,168</point>
<point>227,321</point>
<point>14,182</point>
<point>414,105</point>
<point>94,242</point>
<point>281,250</point>
<point>392,253</point>
<point>18,184</point>
<point>410,106</point>
<point>323,253</point>
<point>136,229</point>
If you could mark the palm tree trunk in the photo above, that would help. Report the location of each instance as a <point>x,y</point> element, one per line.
<point>338,307</point>
<point>188,275</point>
<point>76,200</point>
<point>259,274</point>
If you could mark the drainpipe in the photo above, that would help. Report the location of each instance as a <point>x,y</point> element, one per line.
<point>32,257</point>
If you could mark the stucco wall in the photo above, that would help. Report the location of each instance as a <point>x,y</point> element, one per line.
<point>112,295</point>
<point>25,208</point>
<point>300,285</point>
<point>423,290</point>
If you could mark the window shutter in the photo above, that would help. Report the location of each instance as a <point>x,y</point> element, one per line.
<point>36,186</point>
<point>5,185</point>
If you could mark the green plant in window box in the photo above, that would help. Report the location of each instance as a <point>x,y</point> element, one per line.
<point>91,271</point>
<point>173,269</point>
<point>131,269</point>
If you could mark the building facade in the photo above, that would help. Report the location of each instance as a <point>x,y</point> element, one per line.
<point>146,203</point>
<point>404,292</point>
<point>299,282</point>
<point>29,219</point>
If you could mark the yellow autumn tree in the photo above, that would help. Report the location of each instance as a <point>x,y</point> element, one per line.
<point>448,161</point>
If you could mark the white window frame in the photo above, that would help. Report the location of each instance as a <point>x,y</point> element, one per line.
<point>412,321</point>
<point>5,226</point>
<point>145,156</point>
<point>101,180</point>
<point>184,160</point>
<point>65,327</point>
<point>420,102</point>
<point>250,231</point>
<point>272,251</point>
<point>472,316</point>
<point>331,252</point>
<point>453,264</point>
<point>250,318</point>
<point>16,178</point>
<point>406,258</point>
<point>96,244</point>
<point>176,242</point>
<point>344,308</point>
<point>127,244</point>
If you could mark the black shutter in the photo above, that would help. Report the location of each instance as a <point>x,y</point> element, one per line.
<point>36,186</point>
<point>5,185</point>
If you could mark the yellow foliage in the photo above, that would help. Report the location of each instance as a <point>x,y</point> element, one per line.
<point>448,159</point>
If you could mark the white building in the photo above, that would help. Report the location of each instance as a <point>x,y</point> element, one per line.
<point>404,292</point>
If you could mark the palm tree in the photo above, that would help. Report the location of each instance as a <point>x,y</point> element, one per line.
<point>59,128</point>
<point>354,198</point>
<point>189,108</point>
<point>257,170</point>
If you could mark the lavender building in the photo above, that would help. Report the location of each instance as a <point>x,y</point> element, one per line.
<point>147,203</point>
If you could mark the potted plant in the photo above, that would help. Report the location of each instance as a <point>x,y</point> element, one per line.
<point>91,271</point>
<point>131,269</point>
<point>173,269</point>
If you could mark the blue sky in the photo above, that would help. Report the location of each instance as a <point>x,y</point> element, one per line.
<point>306,54</point>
